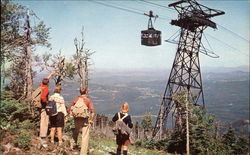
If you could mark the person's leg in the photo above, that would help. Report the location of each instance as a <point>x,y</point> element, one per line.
<point>125,150</point>
<point>59,133</point>
<point>85,139</point>
<point>119,150</point>
<point>44,120</point>
<point>78,126</point>
<point>52,134</point>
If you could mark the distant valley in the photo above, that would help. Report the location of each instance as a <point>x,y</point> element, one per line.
<point>226,93</point>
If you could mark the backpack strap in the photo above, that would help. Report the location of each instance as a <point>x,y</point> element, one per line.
<point>119,115</point>
<point>83,98</point>
<point>125,115</point>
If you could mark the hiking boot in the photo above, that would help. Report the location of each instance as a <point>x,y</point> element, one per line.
<point>118,151</point>
<point>125,152</point>
<point>52,141</point>
<point>72,144</point>
<point>60,143</point>
<point>43,142</point>
<point>76,147</point>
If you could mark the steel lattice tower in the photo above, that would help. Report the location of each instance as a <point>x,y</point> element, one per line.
<point>193,19</point>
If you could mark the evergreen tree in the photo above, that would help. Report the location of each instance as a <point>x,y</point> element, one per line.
<point>201,131</point>
<point>15,30</point>
<point>229,140</point>
<point>146,124</point>
<point>242,145</point>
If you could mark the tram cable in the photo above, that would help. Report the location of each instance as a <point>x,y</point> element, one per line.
<point>132,10</point>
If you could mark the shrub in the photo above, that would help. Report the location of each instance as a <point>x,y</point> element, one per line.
<point>153,144</point>
<point>69,126</point>
<point>23,140</point>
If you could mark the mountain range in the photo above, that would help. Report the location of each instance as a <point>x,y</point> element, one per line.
<point>226,92</point>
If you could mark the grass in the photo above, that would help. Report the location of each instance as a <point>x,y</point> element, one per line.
<point>103,146</point>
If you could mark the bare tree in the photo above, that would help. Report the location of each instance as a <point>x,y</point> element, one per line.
<point>63,68</point>
<point>82,62</point>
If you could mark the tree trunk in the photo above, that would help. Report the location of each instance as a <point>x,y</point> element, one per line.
<point>29,82</point>
<point>187,125</point>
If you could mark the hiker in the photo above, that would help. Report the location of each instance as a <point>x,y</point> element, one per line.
<point>82,109</point>
<point>122,139</point>
<point>44,118</point>
<point>57,121</point>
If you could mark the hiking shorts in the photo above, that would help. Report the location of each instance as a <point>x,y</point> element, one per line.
<point>122,139</point>
<point>57,120</point>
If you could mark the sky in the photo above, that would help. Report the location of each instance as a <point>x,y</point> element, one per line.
<point>114,34</point>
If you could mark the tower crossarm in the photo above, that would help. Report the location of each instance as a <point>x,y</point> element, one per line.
<point>191,11</point>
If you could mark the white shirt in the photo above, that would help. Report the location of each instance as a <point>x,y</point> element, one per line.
<point>60,103</point>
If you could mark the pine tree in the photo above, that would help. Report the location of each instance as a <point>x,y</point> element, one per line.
<point>200,127</point>
<point>146,124</point>
<point>229,139</point>
<point>17,41</point>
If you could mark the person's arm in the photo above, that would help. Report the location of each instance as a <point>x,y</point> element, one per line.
<point>91,108</point>
<point>90,105</point>
<point>51,74</point>
<point>64,107</point>
<point>72,104</point>
<point>130,124</point>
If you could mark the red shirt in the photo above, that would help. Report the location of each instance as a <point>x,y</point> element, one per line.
<point>44,93</point>
<point>87,101</point>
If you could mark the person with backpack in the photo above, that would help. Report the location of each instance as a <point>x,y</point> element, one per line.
<point>122,137</point>
<point>44,118</point>
<point>82,109</point>
<point>59,114</point>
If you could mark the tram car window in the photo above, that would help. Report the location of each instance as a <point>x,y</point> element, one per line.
<point>151,37</point>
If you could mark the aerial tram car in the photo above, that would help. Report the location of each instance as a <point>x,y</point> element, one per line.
<point>151,36</point>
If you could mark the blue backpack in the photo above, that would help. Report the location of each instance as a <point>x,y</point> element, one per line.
<point>51,108</point>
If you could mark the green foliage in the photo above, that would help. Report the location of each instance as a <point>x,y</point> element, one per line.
<point>70,70</point>
<point>103,146</point>
<point>13,18</point>
<point>242,145</point>
<point>16,119</point>
<point>180,99</point>
<point>153,144</point>
<point>58,63</point>
<point>146,122</point>
<point>201,131</point>
<point>41,34</point>
<point>177,142</point>
<point>229,139</point>
<point>14,41</point>
<point>14,114</point>
<point>23,140</point>
<point>15,73</point>
<point>69,126</point>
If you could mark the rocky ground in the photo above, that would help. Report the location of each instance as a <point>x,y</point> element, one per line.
<point>99,145</point>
